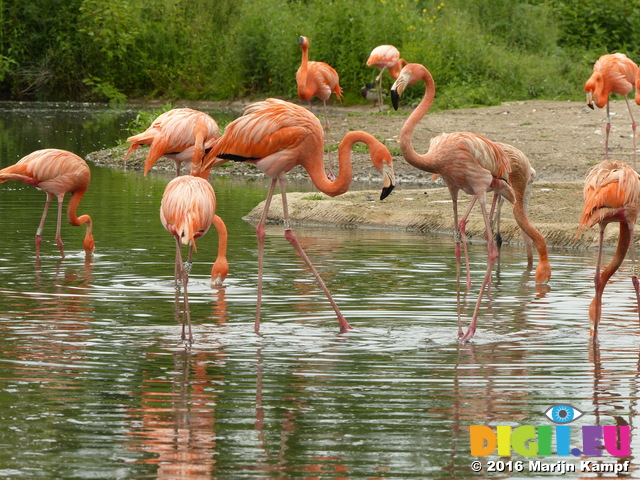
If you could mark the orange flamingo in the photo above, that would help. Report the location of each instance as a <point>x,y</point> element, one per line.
<point>466,162</point>
<point>56,172</point>
<point>385,57</point>
<point>613,73</point>
<point>187,211</point>
<point>520,179</point>
<point>317,79</point>
<point>181,134</point>
<point>276,136</point>
<point>611,194</point>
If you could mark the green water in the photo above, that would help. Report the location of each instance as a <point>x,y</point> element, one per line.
<point>95,383</point>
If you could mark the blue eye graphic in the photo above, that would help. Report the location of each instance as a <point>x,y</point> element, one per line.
<point>563,413</point>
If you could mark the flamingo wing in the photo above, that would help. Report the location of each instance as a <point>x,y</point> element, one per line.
<point>269,129</point>
<point>609,187</point>
<point>383,56</point>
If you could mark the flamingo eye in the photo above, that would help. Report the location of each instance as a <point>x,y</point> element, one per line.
<point>563,413</point>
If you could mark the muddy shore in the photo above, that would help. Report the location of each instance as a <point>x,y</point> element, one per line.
<point>561,139</point>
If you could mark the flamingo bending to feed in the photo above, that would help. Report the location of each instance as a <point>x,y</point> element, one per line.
<point>317,79</point>
<point>187,211</point>
<point>182,134</point>
<point>520,178</point>
<point>56,172</point>
<point>611,194</point>
<point>466,162</point>
<point>613,73</point>
<point>276,136</point>
<point>385,57</point>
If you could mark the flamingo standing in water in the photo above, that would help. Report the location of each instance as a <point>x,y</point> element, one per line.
<point>466,162</point>
<point>613,73</point>
<point>276,136</point>
<point>182,134</point>
<point>317,79</point>
<point>520,178</point>
<point>611,194</point>
<point>187,211</point>
<point>56,172</point>
<point>385,57</point>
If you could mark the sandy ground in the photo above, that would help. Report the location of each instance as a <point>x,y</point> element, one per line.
<point>561,139</point>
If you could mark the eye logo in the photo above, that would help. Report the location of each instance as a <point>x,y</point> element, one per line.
<point>563,413</point>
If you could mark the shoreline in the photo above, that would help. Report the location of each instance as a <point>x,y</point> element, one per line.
<point>562,140</point>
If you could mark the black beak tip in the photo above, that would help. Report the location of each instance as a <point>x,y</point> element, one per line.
<point>386,191</point>
<point>395,98</point>
<point>590,105</point>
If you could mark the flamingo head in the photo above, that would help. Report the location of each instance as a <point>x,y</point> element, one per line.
<point>219,272</point>
<point>304,42</point>
<point>404,80</point>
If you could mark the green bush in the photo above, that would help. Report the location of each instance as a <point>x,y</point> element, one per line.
<point>480,52</point>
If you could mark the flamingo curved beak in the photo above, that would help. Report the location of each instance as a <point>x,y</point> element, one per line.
<point>388,181</point>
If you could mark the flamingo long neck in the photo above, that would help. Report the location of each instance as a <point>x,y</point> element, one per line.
<point>76,221</point>
<point>301,76</point>
<point>624,240</point>
<point>316,167</point>
<point>423,162</point>
<point>520,184</point>
<point>220,267</point>
<point>621,251</point>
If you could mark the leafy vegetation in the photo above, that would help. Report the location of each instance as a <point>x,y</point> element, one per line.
<point>481,52</point>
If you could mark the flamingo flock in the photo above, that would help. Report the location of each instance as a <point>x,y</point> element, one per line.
<point>276,135</point>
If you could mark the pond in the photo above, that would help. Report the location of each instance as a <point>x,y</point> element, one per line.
<point>95,382</point>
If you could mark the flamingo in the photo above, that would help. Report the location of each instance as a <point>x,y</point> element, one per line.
<point>182,134</point>
<point>187,211</point>
<point>466,162</point>
<point>317,79</point>
<point>520,179</point>
<point>613,73</point>
<point>276,136</point>
<point>385,57</point>
<point>56,172</point>
<point>611,194</point>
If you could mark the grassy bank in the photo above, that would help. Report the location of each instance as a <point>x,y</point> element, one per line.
<point>481,52</point>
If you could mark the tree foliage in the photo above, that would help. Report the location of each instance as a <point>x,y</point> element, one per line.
<point>479,51</point>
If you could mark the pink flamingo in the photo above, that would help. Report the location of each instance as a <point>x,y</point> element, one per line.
<point>385,57</point>
<point>182,134</point>
<point>276,136</point>
<point>520,178</point>
<point>466,162</point>
<point>317,79</point>
<point>56,172</point>
<point>187,211</point>
<point>613,73</point>
<point>611,194</point>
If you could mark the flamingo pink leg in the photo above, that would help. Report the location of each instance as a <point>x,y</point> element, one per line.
<point>634,271</point>
<point>291,237</point>
<point>606,136</point>
<point>181,271</point>
<point>633,130</point>
<point>491,258</point>
<point>41,226</point>
<point>59,225</point>
<point>599,287</point>
<point>261,234</point>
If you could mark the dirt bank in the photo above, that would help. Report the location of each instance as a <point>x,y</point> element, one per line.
<point>562,140</point>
